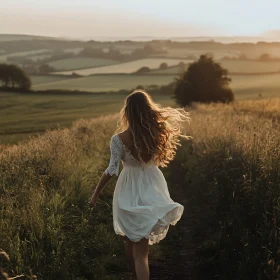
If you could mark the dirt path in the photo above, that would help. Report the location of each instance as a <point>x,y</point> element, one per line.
<point>178,260</point>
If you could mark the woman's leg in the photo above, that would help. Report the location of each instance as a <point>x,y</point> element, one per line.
<point>130,258</point>
<point>140,253</point>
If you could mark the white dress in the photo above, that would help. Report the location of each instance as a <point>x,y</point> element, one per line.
<point>142,207</point>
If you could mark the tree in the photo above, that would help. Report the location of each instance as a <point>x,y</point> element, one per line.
<point>265,57</point>
<point>204,81</point>
<point>143,70</point>
<point>12,75</point>
<point>163,66</point>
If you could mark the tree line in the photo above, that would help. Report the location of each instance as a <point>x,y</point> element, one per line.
<point>12,76</point>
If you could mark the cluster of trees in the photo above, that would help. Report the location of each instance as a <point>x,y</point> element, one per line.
<point>262,57</point>
<point>162,66</point>
<point>115,54</point>
<point>100,53</point>
<point>204,81</point>
<point>40,66</point>
<point>15,77</point>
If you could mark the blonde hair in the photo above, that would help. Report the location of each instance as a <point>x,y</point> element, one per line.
<point>155,129</point>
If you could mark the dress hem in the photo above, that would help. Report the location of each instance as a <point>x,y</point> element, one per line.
<point>156,238</point>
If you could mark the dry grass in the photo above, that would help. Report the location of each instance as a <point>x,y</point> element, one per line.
<point>46,223</point>
<point>232,168</point>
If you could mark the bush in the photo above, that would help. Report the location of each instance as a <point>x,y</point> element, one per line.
<point>205,81</point>
<point>163,66</point>
<point>143,70</point>
<point>140,87</point>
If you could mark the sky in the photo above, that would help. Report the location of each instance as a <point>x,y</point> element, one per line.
<point>133,18</point>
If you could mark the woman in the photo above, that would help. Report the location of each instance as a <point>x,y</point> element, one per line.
<point>142,207</point>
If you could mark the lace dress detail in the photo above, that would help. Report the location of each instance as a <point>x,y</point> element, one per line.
<point>117,153</point>
<point>142,207</point>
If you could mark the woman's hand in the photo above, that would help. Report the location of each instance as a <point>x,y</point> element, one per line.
<point>103,181</point>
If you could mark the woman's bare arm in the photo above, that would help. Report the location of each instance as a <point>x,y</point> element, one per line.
<point>101,184</point>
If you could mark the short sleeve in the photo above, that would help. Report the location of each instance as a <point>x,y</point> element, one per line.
<point>116,149</point>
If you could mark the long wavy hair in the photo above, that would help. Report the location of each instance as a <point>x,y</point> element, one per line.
<point>155,129</point>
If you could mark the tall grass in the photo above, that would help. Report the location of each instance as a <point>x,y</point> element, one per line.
<point>230,170</point>
<point>45,221</point>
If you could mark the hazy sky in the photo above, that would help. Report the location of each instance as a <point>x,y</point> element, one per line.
<point>89,18</point>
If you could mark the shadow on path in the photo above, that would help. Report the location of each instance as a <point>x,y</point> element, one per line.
<point>178,259</point>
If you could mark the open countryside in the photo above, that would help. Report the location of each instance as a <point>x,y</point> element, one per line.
<point>44,58</point>
<point>54,145</point>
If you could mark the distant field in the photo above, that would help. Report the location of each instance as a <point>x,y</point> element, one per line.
<point>80,63</point>
<point>183,53</point>
<point>128,48</point>
<point>99,83</point>
<point>75,50</point>
<point>251,86</point>
<point>128,67</point>
<point>250,66</point>
<point>236,66</point>
<point>3,58</point>
<point>245,86</point>
<point>46,79</point>
<point>175,70</point>
<point>39,57</point>
<point>7,38</point>
<point>23,115</point>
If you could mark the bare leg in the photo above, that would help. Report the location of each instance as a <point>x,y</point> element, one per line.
<point>130,258</point>
<point>140,253</point>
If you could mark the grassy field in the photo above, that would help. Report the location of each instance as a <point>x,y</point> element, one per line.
<point>39,57</point>
<point>74,50</point>
<point>46,79</point>
<point>230,166</point>
<point>128,67</point>
<point>3,58</point>
<point>175,70</point>
<point>250,66</point>
<point>245,86</point>
<point>236,66</point>
<point>251,86</point>
<point>23,115</point>
<point>98,83</point>
<point>184,52</point>
<point>80,63</point>
<point>15,37</point>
